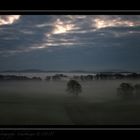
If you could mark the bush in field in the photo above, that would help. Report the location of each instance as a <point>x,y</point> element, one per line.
<point>125,90</point>
<point>137,90</point>
<point>74,87</point>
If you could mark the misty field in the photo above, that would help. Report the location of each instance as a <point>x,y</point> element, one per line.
<point>48,103</point>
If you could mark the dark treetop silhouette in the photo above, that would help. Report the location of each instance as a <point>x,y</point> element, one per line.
<point>74,87</point>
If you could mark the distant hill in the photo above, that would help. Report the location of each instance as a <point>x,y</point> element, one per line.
<point>39,71</point>
<point>28,70</point>
<point>63,71</point>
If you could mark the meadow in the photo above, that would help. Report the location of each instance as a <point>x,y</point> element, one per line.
<point>48,103</point>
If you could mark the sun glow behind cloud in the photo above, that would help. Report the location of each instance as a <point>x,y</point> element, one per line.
<point>62,27</point>
<point>104,23</point>
<point>8,19</point>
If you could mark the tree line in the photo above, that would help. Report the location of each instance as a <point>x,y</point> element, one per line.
<point>88,77</point>
<point>125,90</point>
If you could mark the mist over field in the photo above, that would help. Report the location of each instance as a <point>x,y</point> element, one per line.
<point>48,103</point>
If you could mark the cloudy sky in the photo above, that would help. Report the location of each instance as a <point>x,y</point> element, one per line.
<point>70,42</point>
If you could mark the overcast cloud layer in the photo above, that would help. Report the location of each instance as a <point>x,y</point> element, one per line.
<point>67,42</point>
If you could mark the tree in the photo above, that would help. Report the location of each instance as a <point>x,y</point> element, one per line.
<point>48,78</point>
<point>137,90</point>
<point>125,90</point>
<point>73,87</point>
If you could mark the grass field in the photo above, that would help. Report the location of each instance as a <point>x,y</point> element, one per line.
<point>47,103</point>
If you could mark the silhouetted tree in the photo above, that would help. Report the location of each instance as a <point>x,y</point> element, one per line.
<point>56,77</point>
<point>125,90</point>
<point>90,77</point>
<point>76,77</point>
<point>48,78</point>
<point>74,87</point>
<point>82,78</point>
<point>36,78</point>
<point>137,90</point>
<point>118,76</point>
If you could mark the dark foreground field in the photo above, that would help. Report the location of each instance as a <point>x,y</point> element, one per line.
<point>37,104</point>
<point>71,112</point>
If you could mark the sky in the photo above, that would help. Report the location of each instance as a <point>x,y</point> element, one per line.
<point>70,42</point>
